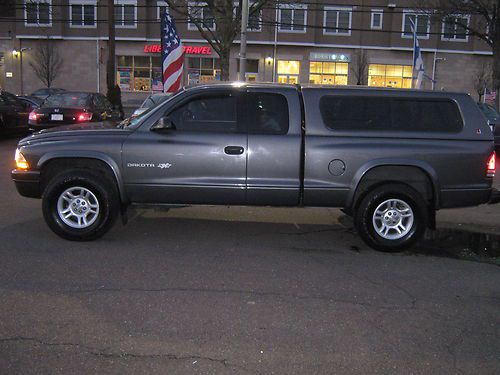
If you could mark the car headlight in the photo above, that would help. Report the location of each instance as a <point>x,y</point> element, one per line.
<point>21,162</point>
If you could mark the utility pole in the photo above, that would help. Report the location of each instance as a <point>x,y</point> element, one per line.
<point>243,40</point>
<point>110,73</point>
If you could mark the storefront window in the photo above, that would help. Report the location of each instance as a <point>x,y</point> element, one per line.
<point>328,73</point>
<point>139,73</point>
<point>288,71</point>
<point>203,70</point>
<point>398,76</point>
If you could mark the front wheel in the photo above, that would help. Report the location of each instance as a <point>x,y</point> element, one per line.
<point>80,206</point>
<point>391,217</point>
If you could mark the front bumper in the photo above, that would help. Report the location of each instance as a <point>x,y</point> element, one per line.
<point>27,183</point>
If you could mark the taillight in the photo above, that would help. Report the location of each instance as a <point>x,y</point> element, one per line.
<point>84,116</point>
<point>491,165</point>
<point>32,116</point>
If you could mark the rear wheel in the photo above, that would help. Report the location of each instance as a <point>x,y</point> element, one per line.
<point>391,217</point>
<point>80,206</point>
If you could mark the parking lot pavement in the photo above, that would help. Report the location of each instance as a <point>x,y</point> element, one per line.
<point>242,291</point>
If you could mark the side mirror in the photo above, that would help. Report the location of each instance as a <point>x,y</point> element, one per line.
<point>164,123</point>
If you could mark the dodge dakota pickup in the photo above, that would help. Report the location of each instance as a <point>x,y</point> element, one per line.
<point>389,158</point>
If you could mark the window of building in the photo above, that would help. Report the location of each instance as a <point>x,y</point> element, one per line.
<point>288,71</point>
<point>252,70</point>
<point>328,73</point>
<point>399,76</point>
<point>267,113</point>
<point>455,28</point>
<point>202,70</point>
<point>200,13</point>
<point>292,18</point>
<point>126,13</point>
<point>422,22</point>
<point>38,12</point>
<point>255,20</point>
<point>377,19</point>
<point>208,114</point>
<point>139,73</point>
<point>370,113</point>
<point>337,21</point>
<point>161,8</point>
<point>83,13</point>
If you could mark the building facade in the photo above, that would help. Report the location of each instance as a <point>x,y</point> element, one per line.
<point>336,42</point>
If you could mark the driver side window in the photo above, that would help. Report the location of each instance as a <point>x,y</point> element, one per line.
<point>207,114</point>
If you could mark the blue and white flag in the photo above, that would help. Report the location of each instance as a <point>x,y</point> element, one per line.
<point>172,54</point>
<point>418,61</point>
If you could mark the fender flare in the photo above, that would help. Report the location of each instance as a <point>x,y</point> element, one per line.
<point>88,155</point>
<point>419,164</point>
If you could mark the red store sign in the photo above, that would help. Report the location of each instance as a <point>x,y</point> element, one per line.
<point>190,50</point>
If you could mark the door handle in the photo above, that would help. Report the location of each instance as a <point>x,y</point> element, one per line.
<point>234,150</point>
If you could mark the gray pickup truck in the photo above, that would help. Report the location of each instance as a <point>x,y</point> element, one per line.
<point>390,158</point>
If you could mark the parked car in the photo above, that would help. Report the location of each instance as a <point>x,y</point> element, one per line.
<point>390,158</point>
<point>72,108</point>
<point>493,119</point>
<point>31,102</point>
<point>150,102</point>
<point>13,113</point>
<point>46,92</point>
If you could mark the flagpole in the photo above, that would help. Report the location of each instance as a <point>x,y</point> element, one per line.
<point>414,45</point>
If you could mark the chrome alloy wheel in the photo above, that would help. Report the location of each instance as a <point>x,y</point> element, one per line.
<point>78,207</point>
<point>393,219</point>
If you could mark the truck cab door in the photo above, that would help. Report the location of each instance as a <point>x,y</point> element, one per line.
<point>195,153</point>
<point>274,147</point>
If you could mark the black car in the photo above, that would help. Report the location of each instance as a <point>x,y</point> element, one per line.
<point>72,108</point>
<point>46,92</point>
<point>493,119</point>
<point>13,113</point>
<point>31,102</point>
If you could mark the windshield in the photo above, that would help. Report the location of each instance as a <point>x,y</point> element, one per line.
<point>134,121</point>
<point>66,100</point>
<point>154,99</point>
<point>489,112</point>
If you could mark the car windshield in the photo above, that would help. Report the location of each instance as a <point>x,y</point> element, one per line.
<point>134,121</point>
<point>154,100</point>
<point>66,100</point>
<point>490,112</point>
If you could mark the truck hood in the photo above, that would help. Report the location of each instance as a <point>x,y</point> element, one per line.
<point>76,130</point>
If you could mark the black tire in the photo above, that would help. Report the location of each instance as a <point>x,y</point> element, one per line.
<point>364,217</point>
<point>103,189</point>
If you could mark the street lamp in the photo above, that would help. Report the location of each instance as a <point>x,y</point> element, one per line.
<point>18,53</point>
<point>436,59</point>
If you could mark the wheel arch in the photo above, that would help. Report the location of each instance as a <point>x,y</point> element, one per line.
<point>84,159</point>
<point>418,175</point>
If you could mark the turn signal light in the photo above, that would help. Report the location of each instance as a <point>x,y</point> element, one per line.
<point>491,165</point>
<point>84,116</point>
<point>32,116</point>
<point>21,162</point>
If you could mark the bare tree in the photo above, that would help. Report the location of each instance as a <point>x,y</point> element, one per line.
<point>481,20</point>
<point>219,23</point>
<point>46,61</point>
<point>360,66</point>
<point>482,79</point>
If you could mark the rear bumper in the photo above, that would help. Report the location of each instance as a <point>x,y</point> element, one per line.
<point>455,198</point>
<point>27,183</point>
<point>495,197</point>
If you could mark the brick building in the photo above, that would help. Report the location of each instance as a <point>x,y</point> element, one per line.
<point>307,42</point>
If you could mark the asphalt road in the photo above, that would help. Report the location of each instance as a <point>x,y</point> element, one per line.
<point>244,291</point>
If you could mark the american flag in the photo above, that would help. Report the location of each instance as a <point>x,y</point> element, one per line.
<point>172,54</point>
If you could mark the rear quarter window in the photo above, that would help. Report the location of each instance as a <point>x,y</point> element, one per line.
<point>354,113</point>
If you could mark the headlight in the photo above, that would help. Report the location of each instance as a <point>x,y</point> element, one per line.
<point>21,162</point>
